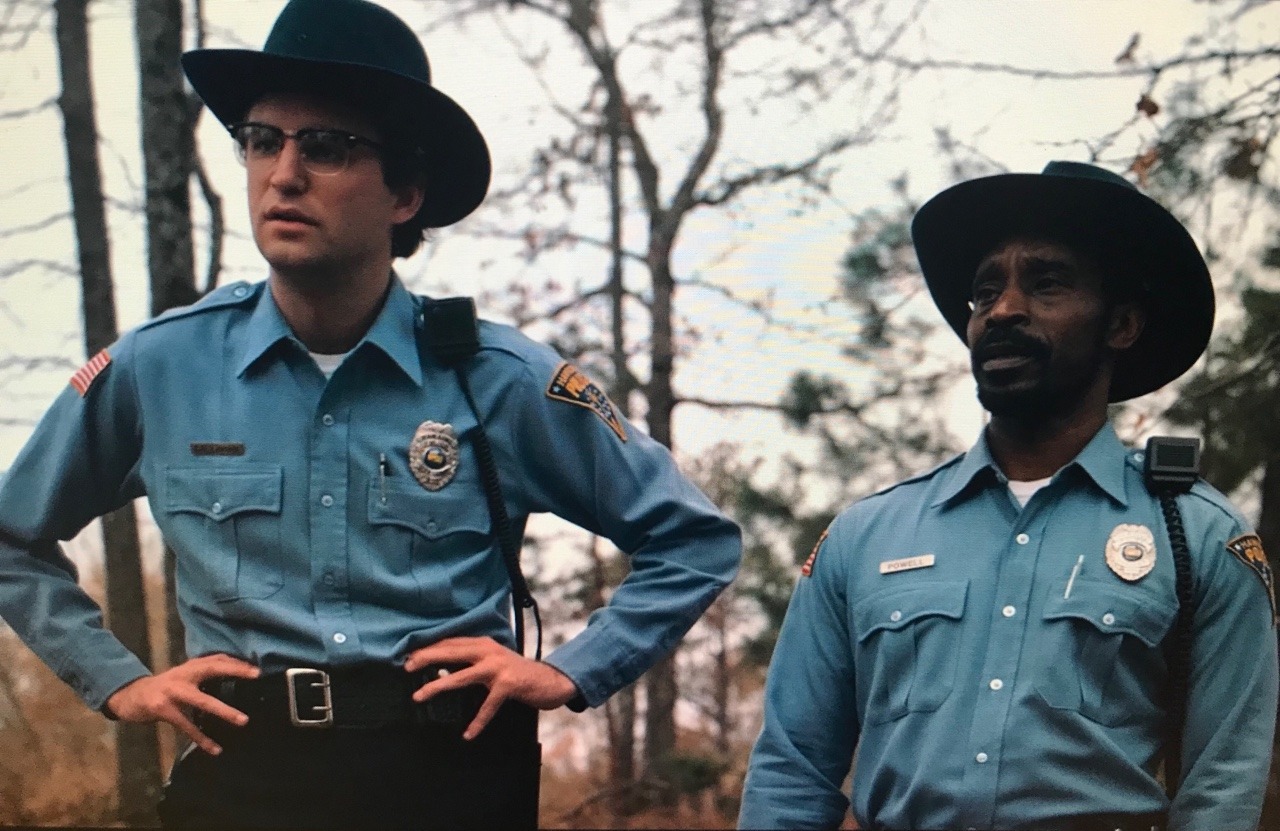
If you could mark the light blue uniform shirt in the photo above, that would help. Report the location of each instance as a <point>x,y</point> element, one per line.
<point>293,548</point>
<point>980,693</point>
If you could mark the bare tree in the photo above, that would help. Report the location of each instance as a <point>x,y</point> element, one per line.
<point>754,57</point>
<point>136,749</point>
<point>169,162</point>
<point>169,115</point>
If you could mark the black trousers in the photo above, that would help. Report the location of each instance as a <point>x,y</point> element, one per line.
<point>395,777</point>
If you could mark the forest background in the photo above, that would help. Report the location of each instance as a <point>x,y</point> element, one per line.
<point>702,203</point>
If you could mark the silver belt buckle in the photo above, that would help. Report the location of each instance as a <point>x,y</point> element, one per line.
<point>292,677</point>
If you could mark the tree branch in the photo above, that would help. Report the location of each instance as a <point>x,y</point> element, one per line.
<point>712,115</point>
<point>48,103</point>
<point>1041,73</point>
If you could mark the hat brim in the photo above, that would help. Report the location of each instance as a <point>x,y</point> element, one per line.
<point>1140,240</point>
<point>457,163</point>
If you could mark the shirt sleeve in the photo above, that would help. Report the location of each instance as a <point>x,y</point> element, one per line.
<point>80,463</point>
<point>811,727</point>
<point>588,465</point>
<point>1231,709</point>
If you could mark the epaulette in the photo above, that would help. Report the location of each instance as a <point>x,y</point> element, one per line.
<point>919,477</point>
<point>504,338</point>
<point>239,293</point>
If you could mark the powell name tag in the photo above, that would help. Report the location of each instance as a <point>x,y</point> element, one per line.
<point>906,564</point>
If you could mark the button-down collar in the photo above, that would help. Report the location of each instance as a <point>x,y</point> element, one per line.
<point>1102,459</point>
<point>392,331</point>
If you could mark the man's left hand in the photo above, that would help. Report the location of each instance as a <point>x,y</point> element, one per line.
<point>507,674</point>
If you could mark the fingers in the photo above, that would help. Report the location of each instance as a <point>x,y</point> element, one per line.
<point>492,703</point>
<point>453,651</point>
<point>188,728</point>
<point>213,706</point>
<point>162,697</point>
<point>218,666</point>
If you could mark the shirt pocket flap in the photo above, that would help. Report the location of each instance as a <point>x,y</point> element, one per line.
<point>893,610</point>
<point>433,515</point>
<point>221,493</point>
<point>1113,610</point>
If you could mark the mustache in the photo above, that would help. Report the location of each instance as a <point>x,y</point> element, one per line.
<point>1001,341</point>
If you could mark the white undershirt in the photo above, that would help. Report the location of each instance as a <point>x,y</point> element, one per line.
<point>328,363</point>
<point>1023,491</point>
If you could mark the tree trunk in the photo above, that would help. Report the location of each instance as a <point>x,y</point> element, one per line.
<point>137,753</point>
<point>620,710</point>
<point>718,617</point>
<point>660,682</point>
<point>169,161</point>
<point>168,153</point>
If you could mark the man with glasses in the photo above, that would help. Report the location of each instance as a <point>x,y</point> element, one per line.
<point>314,449</point>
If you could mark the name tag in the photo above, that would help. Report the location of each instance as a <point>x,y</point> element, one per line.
<point>217,448</point>
<point>906,564</point>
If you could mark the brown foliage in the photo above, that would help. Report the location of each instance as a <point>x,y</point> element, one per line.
<point>57,757</point>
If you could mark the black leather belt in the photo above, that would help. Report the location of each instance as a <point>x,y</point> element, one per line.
<point>360,696</point>
<point>1155,821</point>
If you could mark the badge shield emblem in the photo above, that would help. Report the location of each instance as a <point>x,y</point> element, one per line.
<point>1131,551</point>
<point>433,455</point>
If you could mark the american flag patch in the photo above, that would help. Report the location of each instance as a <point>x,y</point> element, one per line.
<point>84,375</point>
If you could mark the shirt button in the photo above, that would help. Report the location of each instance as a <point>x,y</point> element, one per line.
<point>981,758</point>
<point>326,420</point>
<point>339,638</point>
<point>1108,618</point>
<point>326,501</point>
<point>996,683</point>
<point>432,526</point>
<point>1023,539</point>
<point>328,580</point>
<point>240,291</point>
<point>1008,611</point>
<point>895,616</point>
<point>216,507</point>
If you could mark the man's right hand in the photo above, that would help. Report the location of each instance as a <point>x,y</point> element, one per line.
<point>162,697</point>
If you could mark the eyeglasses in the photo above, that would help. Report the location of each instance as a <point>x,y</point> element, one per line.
<point>323,152</point>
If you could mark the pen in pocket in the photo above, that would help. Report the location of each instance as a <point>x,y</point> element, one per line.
<point>1071,581</point>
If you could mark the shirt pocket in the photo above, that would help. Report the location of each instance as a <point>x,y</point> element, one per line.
<point>1102,655</point>
<point>441,539</point>
<point>908,648</point>
<point>226,523</point>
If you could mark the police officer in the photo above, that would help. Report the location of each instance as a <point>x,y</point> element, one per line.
<point>991,636</point>
<point>312,460</point>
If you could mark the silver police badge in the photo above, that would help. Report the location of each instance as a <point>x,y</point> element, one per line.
<point>1131,551</point>
<point>433,455</point>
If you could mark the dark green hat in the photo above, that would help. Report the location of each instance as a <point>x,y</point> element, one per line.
<point>361,50</point>
<point>1136,239</point>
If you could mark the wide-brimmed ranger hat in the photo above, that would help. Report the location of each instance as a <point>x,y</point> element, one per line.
<point>1136,239</point>
<point>362,52</point>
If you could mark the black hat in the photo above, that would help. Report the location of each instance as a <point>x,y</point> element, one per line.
<point>1136,239</point>
<point>356,47</point>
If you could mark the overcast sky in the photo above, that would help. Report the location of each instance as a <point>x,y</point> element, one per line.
<point>1016,122</point>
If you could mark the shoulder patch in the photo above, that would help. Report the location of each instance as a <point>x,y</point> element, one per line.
<point>1248,549</point>
<point>807,568</point>
<point>85,375</point>
<point>569,385</point>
